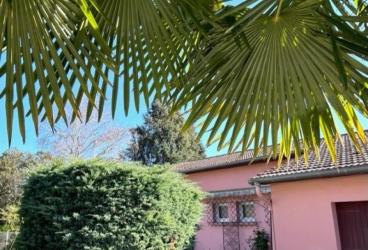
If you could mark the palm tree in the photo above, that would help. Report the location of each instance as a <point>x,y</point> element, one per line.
<point>247,73</point>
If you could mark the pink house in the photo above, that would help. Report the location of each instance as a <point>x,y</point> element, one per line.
<point>318,206</point>
<point>234,208</point>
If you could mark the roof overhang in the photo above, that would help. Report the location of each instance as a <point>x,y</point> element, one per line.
<point>318,173</point>
<point>238,192</point>
<point>223,165</point>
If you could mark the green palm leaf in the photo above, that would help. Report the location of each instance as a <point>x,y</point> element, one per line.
<point>58,52</point>
<point>252,73</point>
<point>43,42</point>
<point>150,42</point>
<point>293,71</point>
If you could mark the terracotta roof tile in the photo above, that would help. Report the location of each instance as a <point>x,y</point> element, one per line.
<point>221,161</point>
<point>346,157</point>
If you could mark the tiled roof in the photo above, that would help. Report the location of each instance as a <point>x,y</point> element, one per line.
<point>348,159</point>
<point>222,161</point>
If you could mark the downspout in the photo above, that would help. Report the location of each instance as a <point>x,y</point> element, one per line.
<point>258,191</point>
<point>261,196</point>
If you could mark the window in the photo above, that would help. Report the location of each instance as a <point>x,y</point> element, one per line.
<point>221,212</point>
<point>246,212</point>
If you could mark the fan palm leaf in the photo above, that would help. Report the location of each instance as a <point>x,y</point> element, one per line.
<point>150,42</point>
<point>43,42</point>
<point>252,73</point>
<point>58,52</point>
<point>299,64</point>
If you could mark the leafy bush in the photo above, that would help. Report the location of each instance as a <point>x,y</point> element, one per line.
<point>14,168</point>
<point>259,241</point>
<point>105,205</point>
<point>9,218</point>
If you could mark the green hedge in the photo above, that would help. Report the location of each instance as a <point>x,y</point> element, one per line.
<point>104,205</point>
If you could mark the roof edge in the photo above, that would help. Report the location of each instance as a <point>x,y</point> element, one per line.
<point>248,191</point>
<point>333,172</point>
<point>224,165</point>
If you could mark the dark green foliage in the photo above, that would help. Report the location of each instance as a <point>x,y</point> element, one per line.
<point>105,205</point>
<point>260,240</point>
<point>161,139</point>
<point>191,244</point>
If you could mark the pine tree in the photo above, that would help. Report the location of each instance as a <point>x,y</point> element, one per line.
<point>161,139</point>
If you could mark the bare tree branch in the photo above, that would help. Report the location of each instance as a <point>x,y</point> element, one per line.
<point>103,139</point>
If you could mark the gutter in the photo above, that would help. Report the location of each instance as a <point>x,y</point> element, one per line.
<point>332,172</point>
<point>249,191</point>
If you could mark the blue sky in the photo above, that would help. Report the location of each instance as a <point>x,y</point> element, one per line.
<point>132,120</point>
<point>129,121</point>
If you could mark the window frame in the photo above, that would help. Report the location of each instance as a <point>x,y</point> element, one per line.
<point>217,213</point>
<point>246,219</point>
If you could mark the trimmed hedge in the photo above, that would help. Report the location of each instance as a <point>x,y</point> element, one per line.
<point>104,205</point>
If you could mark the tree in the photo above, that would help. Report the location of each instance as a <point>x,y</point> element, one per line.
<point>105,205</point>
<point>251,71</point>
<point>82,139</point>
<point>161,139</point>
<point>14,168</point>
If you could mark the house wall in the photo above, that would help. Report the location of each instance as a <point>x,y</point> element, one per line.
<point>210,237</point>
<point>304,211</point>
<point>228,178</point>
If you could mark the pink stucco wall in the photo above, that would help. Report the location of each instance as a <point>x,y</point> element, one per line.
<point>303,211</point>
<point>228,178</point>
<point>210,237</point>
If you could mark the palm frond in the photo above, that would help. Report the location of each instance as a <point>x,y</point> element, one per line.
<point>297,71</point>
<point>150,42</point>
<point>253,73</point>
<point>43,42</point>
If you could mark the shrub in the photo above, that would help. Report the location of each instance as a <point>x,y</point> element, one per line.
<point>14,168</point>
<point>9,219</point>
<point>104,205</point>
<point>259,240</point>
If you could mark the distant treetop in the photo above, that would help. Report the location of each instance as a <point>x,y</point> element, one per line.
<point>161,139</point>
